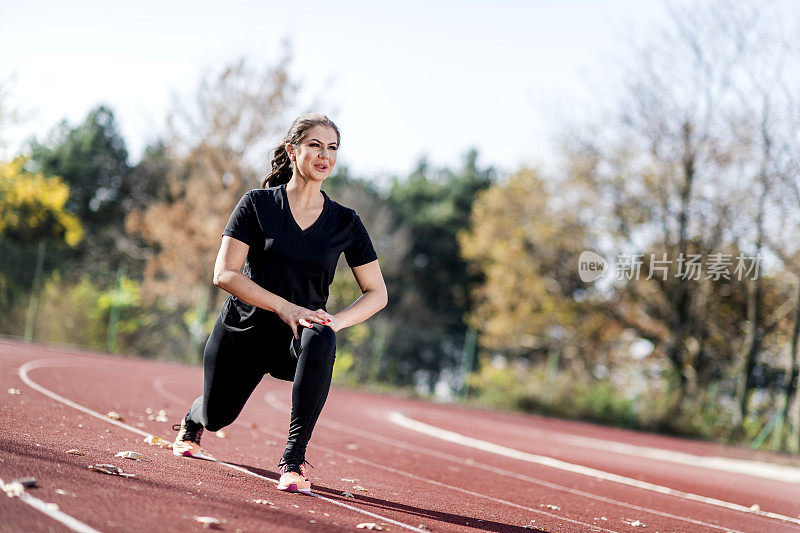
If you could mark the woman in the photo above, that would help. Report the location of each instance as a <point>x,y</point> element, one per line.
<point>288,236</point>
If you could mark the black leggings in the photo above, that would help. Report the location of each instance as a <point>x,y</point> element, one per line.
<point>235,360</point>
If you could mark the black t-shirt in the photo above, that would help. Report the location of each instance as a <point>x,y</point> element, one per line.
<point>295,264</point>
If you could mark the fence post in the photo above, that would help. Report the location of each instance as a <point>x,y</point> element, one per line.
<point>113,315</point>
<point>36,290</point>
<point>467,361</point>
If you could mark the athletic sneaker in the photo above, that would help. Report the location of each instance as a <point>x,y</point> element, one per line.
<point>187,443</point>
<point>293,478</point>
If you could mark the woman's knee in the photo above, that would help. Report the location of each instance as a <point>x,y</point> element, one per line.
<point>217,421</point>
<point>320,341</point>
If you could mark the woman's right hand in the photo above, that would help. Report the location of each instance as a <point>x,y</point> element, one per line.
<point>295,316</point>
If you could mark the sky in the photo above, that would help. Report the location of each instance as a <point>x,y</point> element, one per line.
<point>402,80</point>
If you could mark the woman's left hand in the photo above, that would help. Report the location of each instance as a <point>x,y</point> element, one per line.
<point>332,323</point>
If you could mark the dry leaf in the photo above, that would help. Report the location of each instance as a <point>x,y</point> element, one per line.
<point>111,470</point>
<point>372,526</point>
<point>152,440</point>
<point>113,415</point>
<point>27,482</point>
<point>634,523</point>
<point>359,487</point>
<point>74,452</point>
<point>13,489</point>
<point>14,391</point>
<point>208,521</point>
<point>136,456</point>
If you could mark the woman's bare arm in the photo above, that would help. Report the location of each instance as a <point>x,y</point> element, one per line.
<point>228,276</point>
<point>373,299</point>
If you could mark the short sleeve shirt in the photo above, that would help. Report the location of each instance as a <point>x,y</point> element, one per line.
<point>296,264</point>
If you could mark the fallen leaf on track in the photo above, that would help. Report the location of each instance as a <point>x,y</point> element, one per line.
<point>13,489</point>
<point>136,456</point>
<point>208,521</point>
<point>634,523</point>
<point>550,506</point>
<point>74,452</point>
<point>113,415</point>
<point>369,525</point>
<point>111,470</point>
<point>262,502</point>
<point>152,440</point>
<point>359,487</point>
<point>16,392</point>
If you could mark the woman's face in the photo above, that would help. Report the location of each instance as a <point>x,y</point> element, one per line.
<point>315,155</point>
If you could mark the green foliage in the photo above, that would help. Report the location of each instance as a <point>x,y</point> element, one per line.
<point>92,159</point>
<point>430,295</point>
<point>534,389</point>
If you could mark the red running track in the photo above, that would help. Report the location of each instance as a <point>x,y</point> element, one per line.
<point>425,467</point>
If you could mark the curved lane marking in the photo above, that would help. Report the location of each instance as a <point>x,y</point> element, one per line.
<point>401,420</point>
<point>54,363</point>
<point>350,430</point>
<point>788,474</point>
<point>73,523</point>
<point>284,408</point>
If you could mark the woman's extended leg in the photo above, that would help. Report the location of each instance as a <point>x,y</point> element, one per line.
<point>234,365</point>
<point>312,381</point>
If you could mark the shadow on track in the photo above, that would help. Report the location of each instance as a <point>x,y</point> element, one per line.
<point>368,501</point>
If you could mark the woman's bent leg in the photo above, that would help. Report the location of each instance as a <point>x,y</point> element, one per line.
<point>233,368</point>
<point>312,382</point>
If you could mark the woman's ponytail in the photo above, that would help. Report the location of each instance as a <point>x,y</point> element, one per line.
<point>281,168</point>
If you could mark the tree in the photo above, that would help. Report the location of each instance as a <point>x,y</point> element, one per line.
<point>33,206</point>
<point>432,293</point>
<point>32,212</point>
<point>93,160</point>
<point>208,162</point>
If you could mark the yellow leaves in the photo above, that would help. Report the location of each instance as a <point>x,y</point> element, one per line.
<point>32,205</point>
<point>518,239</point>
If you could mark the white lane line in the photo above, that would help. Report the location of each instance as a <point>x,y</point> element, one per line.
<point>366,462</point>
<point>51,363</point>
<point>159,386</point>
<point>789,474</point>
<point>351,430</point>
<point>60,516</point>
<point>401,420</point>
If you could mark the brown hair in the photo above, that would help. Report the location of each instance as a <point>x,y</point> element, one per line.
<point>281,164</point>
